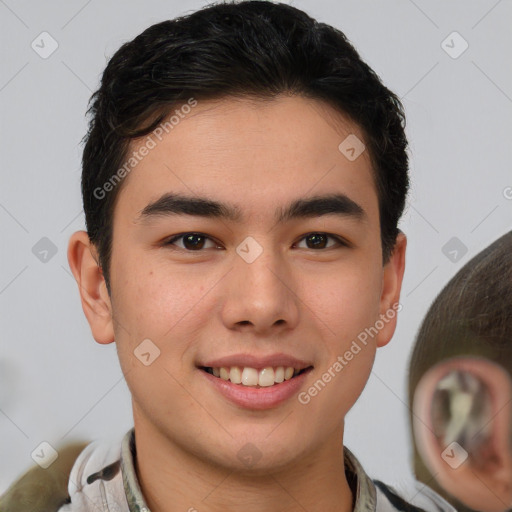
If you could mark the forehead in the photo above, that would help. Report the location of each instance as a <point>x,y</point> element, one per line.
<point>250,153</point>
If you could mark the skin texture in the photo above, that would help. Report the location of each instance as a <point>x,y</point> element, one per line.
<point>294,298</point>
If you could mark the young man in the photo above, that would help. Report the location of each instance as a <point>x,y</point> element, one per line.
<point>243,177</point>
<point>460,385</point>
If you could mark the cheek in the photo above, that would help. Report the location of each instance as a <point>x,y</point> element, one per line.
<point>346,302</point>
<point>152,301</point>
<point>149,306</point>
<point>336,386</point>
<point>346,309</point>
<point>159,307</point>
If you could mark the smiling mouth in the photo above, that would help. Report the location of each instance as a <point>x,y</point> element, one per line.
<point>256,378</point>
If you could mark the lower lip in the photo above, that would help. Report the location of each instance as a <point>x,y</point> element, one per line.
<point>258,398</point>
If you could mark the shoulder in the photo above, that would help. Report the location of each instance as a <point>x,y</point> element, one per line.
<point>412,496</point>
<point>407,495</point>
<point>39,489</point>
<point>96,479</point>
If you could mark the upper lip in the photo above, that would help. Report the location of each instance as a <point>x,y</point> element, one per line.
<point>252,361</point>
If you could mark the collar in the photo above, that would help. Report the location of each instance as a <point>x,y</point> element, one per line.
<point>136,502</point>
<point>363,489</point>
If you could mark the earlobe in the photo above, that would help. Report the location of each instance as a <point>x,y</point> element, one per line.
<point>83,261</point>
<point>462,424</point>
<point>392,278</point>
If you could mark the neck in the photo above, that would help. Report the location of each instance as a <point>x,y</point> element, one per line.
<point>175,480</point>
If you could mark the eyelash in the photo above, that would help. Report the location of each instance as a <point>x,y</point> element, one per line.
<point>339,240</point>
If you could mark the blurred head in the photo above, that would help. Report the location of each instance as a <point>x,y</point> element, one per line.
<point>460,385</point>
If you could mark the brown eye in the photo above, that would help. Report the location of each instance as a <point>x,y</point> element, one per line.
<point>190,241</point>
<point>319,240</point>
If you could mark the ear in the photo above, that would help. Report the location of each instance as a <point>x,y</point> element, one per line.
<point>84,263</point>
<point>392,276</point>
<point>462,424</point>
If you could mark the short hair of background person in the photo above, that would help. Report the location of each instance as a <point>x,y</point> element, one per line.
<point>255,49</point>
<point>460,385</point>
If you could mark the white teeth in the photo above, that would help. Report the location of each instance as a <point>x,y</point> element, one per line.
<point>279,374</point>
<point>235,375</point>
<point>252,377</point>
<point>266,377</point>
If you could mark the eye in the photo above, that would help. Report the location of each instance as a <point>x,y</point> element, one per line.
<point>191,241</point>
<point>318,240</point>
<point>195,242</point>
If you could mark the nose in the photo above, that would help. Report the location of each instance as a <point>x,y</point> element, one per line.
<point>260,296</point>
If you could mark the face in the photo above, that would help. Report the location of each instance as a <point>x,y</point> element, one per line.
<point>249,290</point>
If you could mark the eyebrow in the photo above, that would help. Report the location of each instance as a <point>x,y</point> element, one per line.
<point>177,204</point>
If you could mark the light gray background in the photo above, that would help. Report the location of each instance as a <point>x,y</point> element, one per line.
<point>56,383</point>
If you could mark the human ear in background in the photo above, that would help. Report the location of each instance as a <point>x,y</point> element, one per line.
<point>462,427</point>
<point>460,386</point>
